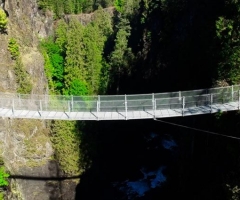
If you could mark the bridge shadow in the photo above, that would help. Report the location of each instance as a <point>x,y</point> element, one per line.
<point>43,178</point>
<point>48,181</point>
<point>53,187</point>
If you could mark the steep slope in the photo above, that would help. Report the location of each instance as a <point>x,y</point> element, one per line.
<point>25,145</point>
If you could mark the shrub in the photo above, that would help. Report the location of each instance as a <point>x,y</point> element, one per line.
<point>13,48</point>
<point>66,137</point>
<point>3,177</point>
<point>1,196</point>
<point>3,20</point>
<point>22,78</point>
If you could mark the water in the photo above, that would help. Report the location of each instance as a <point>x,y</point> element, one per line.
<point>150,179</point>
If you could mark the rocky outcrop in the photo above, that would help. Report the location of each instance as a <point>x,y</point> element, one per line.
<point>27,25</point>
<point>86,18</point>
<point>24,144</point>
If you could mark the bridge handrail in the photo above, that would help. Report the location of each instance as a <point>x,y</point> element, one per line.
<point>231,89</point>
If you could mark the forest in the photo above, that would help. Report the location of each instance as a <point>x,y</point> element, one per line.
<point>145,46</point>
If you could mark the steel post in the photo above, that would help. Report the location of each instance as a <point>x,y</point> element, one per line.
<point>71,102</point>
<point>13,106</point>
<point>40,105</point>
<point>183,105</point>
<point>99,100</point>
<point>69,106</point>
<point>211,101</point>
<point>126,110</point>
<point>153,101</point>
<point>238,99</point>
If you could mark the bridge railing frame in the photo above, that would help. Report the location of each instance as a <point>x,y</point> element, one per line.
<point>123,104</point>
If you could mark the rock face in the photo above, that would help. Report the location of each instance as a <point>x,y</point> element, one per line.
<point>86,18</point>
<point>24,144</point>
<point>26,25</point>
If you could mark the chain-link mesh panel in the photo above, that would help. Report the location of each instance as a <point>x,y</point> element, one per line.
<point>139,97</point>
<point>8,95</point>
<point>84,106</point>
<point>111,97</point>
<point>236,87</point>
<point>236,95</point>
<point>112,106</point>
<point>198,100</point>
<point>222,98</point>
<point>6,103</point>
<point>168,103</point>
<point>26,104</point>
<point>167,95</point>
<point>194,92</point>
<point>220,90</point>
<point>144,104</point>
<point>84,98</point>
<point>56,105</point>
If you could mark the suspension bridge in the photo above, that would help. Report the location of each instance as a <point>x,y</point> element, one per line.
<point>120,107</point>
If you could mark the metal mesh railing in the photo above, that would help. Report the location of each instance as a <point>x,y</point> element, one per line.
<point>121,103</point>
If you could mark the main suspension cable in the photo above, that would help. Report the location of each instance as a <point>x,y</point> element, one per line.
<point>196,129</point>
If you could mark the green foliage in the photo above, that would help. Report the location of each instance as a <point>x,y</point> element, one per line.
<point>43,4</point>
<point>55,66</point>
<point>118,4</point>
<point>1,161</point>
<point>77,88</point>
<point>66,140</point>
<point>122,55</point>
<point>104,77</point>
<point>3,177</point>
<point>22,78</point>
<point>218,115</point>
<point>74,58</point>
<point>54,56</point>
<point>61,35</point>
<point>224,27</point>
<point>3,20</point>
<point>61,7</point>
<point>13,48</point>
<point>102,3</point>
<point>1,196</point>
<point>103,21</point>
<point>75,67</point>
<point>93,47</point>
<point>127,7</point>
<point>96,35</point>
<point>48,68</point>
<point>228,34</point>
<point>234,193</point>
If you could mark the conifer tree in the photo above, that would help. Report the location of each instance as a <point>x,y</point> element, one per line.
<point>228,33</point>
<point>93,47</point>
<point>61,35</point>
<point>122,54</point>
<point>75,68</point>
<point>96,34</point>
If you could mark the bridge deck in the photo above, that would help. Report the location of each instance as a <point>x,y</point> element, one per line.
<point>129,115</point>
